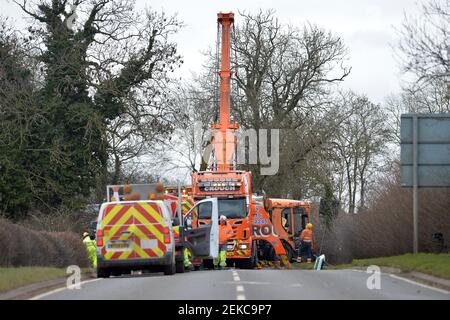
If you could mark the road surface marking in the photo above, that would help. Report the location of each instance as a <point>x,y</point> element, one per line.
<point>43,295</point>
<point>419,284</point>
<point>410,281</point>
<point>239,288</point>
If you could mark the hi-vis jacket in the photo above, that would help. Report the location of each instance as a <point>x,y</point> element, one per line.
<point>225,233</point>
<point>307,236</point>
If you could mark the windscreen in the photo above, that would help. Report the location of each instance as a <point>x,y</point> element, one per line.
<point>232,208</point>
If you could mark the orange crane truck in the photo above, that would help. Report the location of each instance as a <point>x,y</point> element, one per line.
<point>251,223</point>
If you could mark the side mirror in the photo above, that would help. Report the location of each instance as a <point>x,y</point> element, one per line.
<point>175,222</point>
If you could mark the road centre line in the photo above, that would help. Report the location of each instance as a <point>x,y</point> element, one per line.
<point>239,288</point>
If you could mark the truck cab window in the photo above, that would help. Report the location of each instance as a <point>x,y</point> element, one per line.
<point>299,224</point>
<point>286,219</point>
<point>233,208</point>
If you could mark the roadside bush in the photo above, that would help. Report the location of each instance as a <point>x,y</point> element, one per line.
<point>60,220</point>
<point>334,242</point>
<point>21,246</point>
<point>385,227</point>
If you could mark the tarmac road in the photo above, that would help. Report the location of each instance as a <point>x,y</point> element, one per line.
<point>249,285</point>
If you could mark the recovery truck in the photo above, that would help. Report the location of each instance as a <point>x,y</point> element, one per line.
<point>289,218</point>
<point>251,222</point>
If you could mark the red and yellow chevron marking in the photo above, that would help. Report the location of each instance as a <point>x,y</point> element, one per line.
<point>187,205</point>
<point>140,221</point>
<point>176,233</point>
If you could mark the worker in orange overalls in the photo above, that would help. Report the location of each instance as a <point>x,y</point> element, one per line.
<point>307,238</point>
<point>225,233</point>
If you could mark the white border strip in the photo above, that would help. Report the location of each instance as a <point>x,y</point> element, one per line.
<point>43,295</point>
<point>419,284</point>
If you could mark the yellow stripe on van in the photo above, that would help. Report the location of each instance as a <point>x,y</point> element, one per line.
<point>111,215</point>
<point>156,215</point>
<point>149,226</point>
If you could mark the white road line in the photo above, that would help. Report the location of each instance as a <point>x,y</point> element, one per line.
<point>356,270</point>
<point>420,284</point>
<point>38,297</point>
<point>410,281</point>
<point>239,288</point>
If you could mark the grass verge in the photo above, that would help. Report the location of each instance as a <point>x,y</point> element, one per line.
<point>433,264</point>
<point>13,278</point>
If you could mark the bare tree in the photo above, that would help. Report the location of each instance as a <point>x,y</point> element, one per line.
<point>285,78</point>
<point>425,42</point>
<point>361,139</point>
<point>282,70</point>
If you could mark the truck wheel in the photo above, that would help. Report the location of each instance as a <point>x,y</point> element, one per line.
<point>103,273</point>
<point>180,267</point>
<point>246,263</point>
<point>249,263</point>
<point>289,252</point>
<point>170,269</point>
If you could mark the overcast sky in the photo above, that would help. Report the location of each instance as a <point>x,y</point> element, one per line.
<point>367,27</point>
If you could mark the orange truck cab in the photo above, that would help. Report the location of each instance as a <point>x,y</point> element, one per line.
<point>289,219</point>
<point>249,219</point>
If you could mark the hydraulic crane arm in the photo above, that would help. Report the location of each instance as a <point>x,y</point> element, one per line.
<point>224,142</point>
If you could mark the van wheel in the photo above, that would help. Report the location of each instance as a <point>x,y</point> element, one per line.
<point>116,273</point>
<point>180,267</point>
<point>170,269</point>
<point>103,273</point>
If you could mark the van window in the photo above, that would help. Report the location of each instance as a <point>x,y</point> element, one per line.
<point>204,210</point>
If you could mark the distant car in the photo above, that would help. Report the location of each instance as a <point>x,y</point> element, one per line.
<point>135,235</point>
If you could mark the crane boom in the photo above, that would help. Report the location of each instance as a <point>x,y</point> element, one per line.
<point>251,223</point>
<point>224,141</point>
